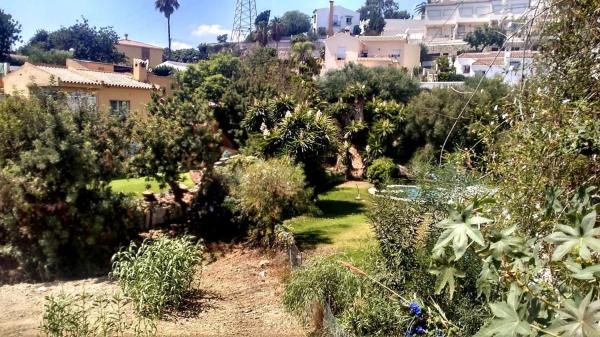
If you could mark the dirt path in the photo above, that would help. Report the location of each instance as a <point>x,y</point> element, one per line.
<point>239,296</point>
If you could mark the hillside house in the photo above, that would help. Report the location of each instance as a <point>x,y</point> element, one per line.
<point>140,50</point>
<point>370,51</point>
<point>511,66</point>
<point>91,84</point>
<point>343,19</point>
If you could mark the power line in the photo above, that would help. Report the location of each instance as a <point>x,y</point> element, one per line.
<point>481,80</point>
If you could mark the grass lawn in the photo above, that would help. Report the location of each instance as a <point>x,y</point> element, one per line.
<point>138,186</point>
<point>342,224</point>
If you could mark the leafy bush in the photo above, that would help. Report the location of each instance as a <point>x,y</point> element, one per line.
<point>307,135</point>
<point>381,172</point>
<point>404,230</point>
<point>163,71</point>
<point>84,315</point>
<point>53,56</point>
<point>264,193</point>
<point>336,300</point>
<point>383,82</point>
<point>322,281</point>
<point>157,274</point>
<point>450,77</point>
<point>57,215</point>
<point>209,215</point>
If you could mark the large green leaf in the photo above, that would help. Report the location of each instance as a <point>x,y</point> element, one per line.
<point>446,275</point>
<point>578,318</point>
<point>459,228</point>
<point>506,242</point>
<point>581,273</point>
<point>506,322</point>
<point>582,237</point>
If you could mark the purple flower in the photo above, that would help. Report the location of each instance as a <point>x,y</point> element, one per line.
<point>419,330</point>
<point>415,309</point>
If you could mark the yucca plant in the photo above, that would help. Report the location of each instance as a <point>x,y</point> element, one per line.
<point>157,274</point>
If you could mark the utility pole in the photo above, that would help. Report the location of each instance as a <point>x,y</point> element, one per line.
<point>243,22</point>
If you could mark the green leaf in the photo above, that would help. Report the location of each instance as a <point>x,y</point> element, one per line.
<point>507,322</point>
<point>505,243</point>
<point>580,273</point>
<point>578,318</point>
<point>446,275</point>
<point>582,238</point>
<point>459,228</point>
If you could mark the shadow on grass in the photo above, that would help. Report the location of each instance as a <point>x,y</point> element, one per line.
<point>309,238</point>
<point>339,208</point>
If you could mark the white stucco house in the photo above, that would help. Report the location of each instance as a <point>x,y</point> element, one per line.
<point>512,66</point>
<point>446,22</point>
<point>370,51</point>
<point>343,19</point>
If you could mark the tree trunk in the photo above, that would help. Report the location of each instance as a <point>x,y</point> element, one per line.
<point>169,32</point>
<point>178,194</point>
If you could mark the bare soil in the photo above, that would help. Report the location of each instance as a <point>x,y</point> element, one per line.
<point>239,294</point>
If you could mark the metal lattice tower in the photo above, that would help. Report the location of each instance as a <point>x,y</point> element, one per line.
<point>243,23</point>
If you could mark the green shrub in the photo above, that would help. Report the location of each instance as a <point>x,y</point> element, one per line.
<point>336,300</point>
<point>162,71</point>
<point>157,274</point>
<point>406,235</point>
<point>450,77</point>
<point>324,281</point>
<point>264,193</point>
<point>209,215</point>
<point>57,214</point>
<point>381,172</point>
<point>84,315</point>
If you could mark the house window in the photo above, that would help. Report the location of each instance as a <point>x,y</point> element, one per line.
<point>120,108</point>
<point>145,53</point>
<point>341,53</point>
<point>466,69</point>
<point>348,21</point>
<point>395,53</point>
<point>466,12</point>
<point>80,100</point>
<point>515,64</point>
<point>336,20</point>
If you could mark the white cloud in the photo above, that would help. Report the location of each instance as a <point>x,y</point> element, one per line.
<point>204,30</point>
<point>176,45</point>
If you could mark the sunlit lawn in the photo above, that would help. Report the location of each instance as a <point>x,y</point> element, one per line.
<point>138,186</point>
<point>342,224</point>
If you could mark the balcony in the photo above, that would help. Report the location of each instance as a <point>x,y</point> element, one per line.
<point>379,61</point>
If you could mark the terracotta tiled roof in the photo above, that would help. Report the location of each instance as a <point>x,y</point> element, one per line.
<point>137,44</point>
<point>90,77</point>
<point>519,53</point>
<point>488,61</point>
<point>513,54</point>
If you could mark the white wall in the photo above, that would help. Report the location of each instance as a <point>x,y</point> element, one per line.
<point>510,73</point>
<point>321,18</point>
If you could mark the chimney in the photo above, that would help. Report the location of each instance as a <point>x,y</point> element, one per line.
<point>330,26</point>
<point>126,36</point>
<point>140,70</point>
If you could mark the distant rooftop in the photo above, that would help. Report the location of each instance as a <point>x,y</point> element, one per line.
<point>128,42</point>
<point>89,77</point>
<point>175,65</point>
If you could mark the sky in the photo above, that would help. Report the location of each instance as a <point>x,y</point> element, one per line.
<point>196,21</point>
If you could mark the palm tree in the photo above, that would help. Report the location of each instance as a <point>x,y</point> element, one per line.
<point>261,34</point>
<point>167,7</point>
<point>420,9</point>
<point>276,30</point>
<point>302,51</point>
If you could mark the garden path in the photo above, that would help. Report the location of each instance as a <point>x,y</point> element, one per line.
<point>239,296</point>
